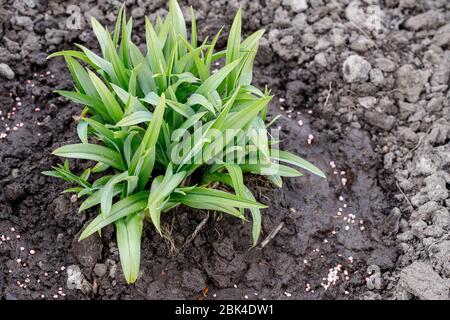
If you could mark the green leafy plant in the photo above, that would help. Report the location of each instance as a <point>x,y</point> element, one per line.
<point>160,124</point>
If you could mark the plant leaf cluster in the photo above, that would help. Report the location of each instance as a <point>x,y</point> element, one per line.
<point>137,107</point>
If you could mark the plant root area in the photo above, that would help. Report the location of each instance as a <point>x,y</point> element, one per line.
<point>362,90</point>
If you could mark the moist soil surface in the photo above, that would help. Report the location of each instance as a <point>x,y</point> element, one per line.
<point>362,90</point>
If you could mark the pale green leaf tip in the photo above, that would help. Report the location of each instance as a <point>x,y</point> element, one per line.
<point>130,279</point>
<point>82,237</point>
<point>94,20</point>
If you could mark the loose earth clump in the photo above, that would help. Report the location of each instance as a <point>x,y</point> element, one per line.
<point>378,125</point>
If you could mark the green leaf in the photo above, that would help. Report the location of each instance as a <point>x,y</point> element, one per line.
<point>127,28</point>
<point>100,167</point>
<point>82,131</point>
<point>104,133</point>
<point>256,217</point>
<point>72,53</point>
<point>109,52</point>
<point>233,48</point>
<point>81,77</point>
<point>125,207</point>
<point>183,109</point>
<point>129,232</point>
<point>85,175</point>
<point>95,198</point>
<point>152,132</point>
<point>182,64</point>
<point>213,82</point>
<point>177,134</point>
<point>120,16</point>
<point>237,180</point>
<point>91,152</point>
<point>128,148</point>
<point>100,63</point>
<point>193,29</point>
<point>94,104</point>
<point>135,118</point>
<point>145,75</point>
<point>284,156</point>
<point>161,188</point>
<point>107,191</point>
<point>125,97</point>
<point>73,190</point>
<point>155,55</point>
<point>270,169</point>
<point>148,143</point>
<point>196,98</point>
<point>114,109</point>
<point>250,46</point>
<point>201,68</point>
<point>178,24</point>
<point>214,196</point>
<point>209,58</point>
<point>151,98</point>
<point>239,119</point>
<point>276,180</point>
<point>258,135</point>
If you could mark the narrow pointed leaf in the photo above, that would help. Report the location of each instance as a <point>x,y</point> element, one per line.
<point>125,207</point>
<point>91,152</point>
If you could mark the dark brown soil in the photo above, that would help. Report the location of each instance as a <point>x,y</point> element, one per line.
<point>332,230</point>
